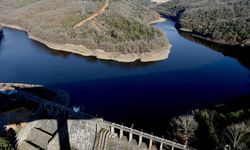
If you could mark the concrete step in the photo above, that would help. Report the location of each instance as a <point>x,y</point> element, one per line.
<point>50,126</point>
<point>39,137</point>
<point>28,146</point>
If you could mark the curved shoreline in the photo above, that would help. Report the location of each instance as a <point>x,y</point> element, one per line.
<point>156,55</point>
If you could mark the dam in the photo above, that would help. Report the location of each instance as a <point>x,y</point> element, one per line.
<point>57,116</point>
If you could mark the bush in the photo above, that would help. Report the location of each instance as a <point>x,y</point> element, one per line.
<point>4,144</point>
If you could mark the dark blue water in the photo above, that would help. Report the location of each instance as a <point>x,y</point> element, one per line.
<point>147,95</point>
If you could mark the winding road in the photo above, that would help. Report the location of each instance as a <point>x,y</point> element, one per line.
<point>94,15</point>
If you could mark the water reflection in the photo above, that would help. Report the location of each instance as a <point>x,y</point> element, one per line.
<point>93,59</point>
<point>1,38</point>
<point>45,48</point>
<point>237,52</point>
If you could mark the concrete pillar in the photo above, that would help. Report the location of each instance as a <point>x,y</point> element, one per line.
<point>161,146</point>
<point>140,140</point>
<point>150,144</point>
<point>130,136</point>
<point>121,133</point>
<point>112,129</point>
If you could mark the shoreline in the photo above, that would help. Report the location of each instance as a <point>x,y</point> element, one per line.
<point>157,55</point>
<point>220,42</point>
<point>159,20</point>
<point>61,97</point>
<point>211,40</point>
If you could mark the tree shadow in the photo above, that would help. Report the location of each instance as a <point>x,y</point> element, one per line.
<point>1,36</point>
<point>237,52</point>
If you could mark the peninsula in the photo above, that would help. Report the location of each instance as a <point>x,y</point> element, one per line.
<point>108,29</point>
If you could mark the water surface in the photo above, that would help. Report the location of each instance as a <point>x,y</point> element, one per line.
<point>196,75</point>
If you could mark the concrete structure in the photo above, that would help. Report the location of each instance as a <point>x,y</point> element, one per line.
<point>152,139</point>
<point>104,129</point>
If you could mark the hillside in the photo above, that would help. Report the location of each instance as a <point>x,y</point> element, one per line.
<point>221,21</point>
<point>120,27</point>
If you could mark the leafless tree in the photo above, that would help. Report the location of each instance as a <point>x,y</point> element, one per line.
<point>237,134</point>
<point>184,127</point>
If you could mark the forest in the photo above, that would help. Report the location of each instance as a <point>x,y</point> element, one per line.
<point>122,27</point>
<point>222,21</point>
<point>222,126</point>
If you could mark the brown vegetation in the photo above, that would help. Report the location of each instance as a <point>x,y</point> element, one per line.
<point>237,134</point>
<point>184,128</point>
<point>121,28</point>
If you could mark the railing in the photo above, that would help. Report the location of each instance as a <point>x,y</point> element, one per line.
<point>149,136</point>
<point>47,103</point>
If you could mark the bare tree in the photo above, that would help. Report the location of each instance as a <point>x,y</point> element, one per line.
<point>236,133</point>
<point>184,127</point>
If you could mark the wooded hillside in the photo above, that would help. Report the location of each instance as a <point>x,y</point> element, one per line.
<point>122,27</point>
<point>225,21</point>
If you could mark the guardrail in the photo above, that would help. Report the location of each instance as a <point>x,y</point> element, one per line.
<point>152,138</point>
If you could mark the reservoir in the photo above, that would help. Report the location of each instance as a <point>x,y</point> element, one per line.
<point>196,75</point>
